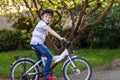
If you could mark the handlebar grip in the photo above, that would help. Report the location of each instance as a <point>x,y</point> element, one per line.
<point>64,41</point>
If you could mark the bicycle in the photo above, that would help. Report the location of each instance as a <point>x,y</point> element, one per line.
<point>28,69</point>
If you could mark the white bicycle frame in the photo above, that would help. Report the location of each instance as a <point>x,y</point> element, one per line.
<point>56,59</point>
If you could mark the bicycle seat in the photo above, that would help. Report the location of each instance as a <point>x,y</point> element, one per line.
<point>33,48</point>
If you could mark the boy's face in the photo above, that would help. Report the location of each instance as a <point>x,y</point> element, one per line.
<point>46,17</point>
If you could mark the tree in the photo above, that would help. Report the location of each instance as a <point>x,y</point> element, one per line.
<point>78,11</point>
<point>107,33</point>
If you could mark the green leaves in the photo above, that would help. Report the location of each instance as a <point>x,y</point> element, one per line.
<point>77,13</point>
<point>9,40</point>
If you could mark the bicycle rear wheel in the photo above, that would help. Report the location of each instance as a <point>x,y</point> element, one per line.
<point>83,70</point>
<point>20,67</point>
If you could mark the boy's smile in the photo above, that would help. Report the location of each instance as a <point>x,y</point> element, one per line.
<point>46,17</point>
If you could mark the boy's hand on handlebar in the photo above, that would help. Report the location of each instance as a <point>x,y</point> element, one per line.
<point>63,39</point>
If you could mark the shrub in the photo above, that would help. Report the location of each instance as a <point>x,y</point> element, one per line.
<point>102,38</point>
<point>12,40</point>
<point>26,37</point>
<point>9,40</point>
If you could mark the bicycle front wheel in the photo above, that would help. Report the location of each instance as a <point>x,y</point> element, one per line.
<point>19,68</point>
<point>82,71</point>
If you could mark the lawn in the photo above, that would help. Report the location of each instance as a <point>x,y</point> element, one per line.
<point>96,57</point>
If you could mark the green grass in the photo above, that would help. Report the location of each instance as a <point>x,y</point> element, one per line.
<point>95,58</point>
<point>99,57</point>
<point>6,59</point>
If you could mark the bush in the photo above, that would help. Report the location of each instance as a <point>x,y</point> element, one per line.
<point>100,37</point>
<point>12,40</point>
<point>26,37</point>
<point>9,40</point>
<point>105,38</point>
<point>23,23</point>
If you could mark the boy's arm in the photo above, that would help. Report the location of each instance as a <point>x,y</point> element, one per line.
<point>51,31</point>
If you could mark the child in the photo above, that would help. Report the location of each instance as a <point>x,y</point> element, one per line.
<point>38,37</point>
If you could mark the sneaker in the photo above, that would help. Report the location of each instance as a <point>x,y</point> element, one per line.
<point>48,77</point>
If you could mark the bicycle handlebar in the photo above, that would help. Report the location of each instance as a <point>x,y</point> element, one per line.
<point>67,44</point>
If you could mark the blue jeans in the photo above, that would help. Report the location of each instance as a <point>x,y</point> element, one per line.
<point>41,49</point>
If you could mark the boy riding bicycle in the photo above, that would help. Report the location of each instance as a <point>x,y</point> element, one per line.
<point>38,38</point>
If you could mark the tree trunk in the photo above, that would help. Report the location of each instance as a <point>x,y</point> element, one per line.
<point>51,45</point>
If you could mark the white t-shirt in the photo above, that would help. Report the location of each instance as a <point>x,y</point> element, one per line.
<point>39,34</point>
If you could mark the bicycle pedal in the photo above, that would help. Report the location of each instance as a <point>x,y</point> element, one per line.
<point>40,74</point>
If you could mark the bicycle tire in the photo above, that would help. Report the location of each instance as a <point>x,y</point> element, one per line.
<point>20,66</point>
<point>83,70</point>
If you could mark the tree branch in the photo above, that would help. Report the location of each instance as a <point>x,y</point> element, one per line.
<point>73,20</point>
<point>39,11</point>
<point>85,17</point>
<point>96,22</point>
<point>100,18</point>
<point>59,16</point>
<point>35,5</point>
<point>81,13</point>
<point>26,3</point>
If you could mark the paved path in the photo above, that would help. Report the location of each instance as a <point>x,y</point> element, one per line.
<point>106,75</point>
<point>97,75</point>
<point>103,75</point>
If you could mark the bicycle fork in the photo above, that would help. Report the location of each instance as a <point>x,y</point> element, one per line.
<point>73,67</point>
<point>71,62</point>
